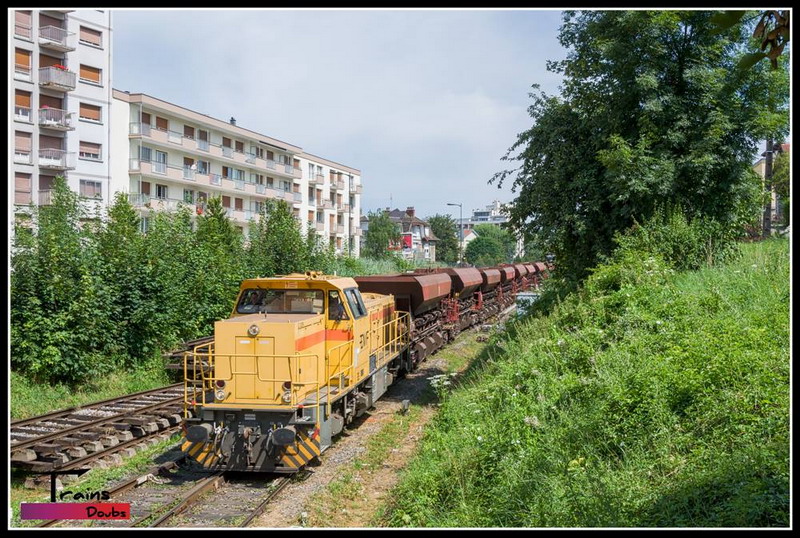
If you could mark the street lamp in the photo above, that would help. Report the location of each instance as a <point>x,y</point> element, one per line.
<point>461,233</point>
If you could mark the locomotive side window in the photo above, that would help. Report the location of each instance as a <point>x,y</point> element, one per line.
<point>336,309</point>
<point>356,304</point>
<point>281,301</point>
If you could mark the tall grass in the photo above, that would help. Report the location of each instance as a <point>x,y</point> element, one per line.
<point>650,399</point>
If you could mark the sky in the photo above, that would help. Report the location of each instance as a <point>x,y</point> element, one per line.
<point>424,103</point>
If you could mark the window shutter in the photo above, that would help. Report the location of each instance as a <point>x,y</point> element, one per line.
<point>145,188</point>
<point>45,20</point>
<point>23,17</point>
<point>188,131</point>
<point>50,142</point>
<point>89,147</point>
<point>145,118</point>
<point>52,102</point>
<point>22,98</point>
<point>162,124</point>
<point>89,112</point>
<point>90,73</point>
<point>22,141</point>
<point>22,57</point>
<point>90,35</point>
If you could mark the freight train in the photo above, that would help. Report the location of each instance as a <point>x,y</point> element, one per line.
<point>303,355</point>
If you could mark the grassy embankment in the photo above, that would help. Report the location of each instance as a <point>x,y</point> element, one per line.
<point>652,399</point>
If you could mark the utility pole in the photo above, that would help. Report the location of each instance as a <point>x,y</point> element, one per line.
<point>461,234</point>
<point>766,228</point>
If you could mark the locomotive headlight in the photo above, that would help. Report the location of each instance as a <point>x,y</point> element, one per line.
<point>220,394</point>
<point>287,392</point>
<point>253,330</point>
<point>220,383</point>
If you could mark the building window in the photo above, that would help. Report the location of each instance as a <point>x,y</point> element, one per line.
<point>22,24</point>
<point>89,150</point>
<point>238,204</point>
<point>226,202</point>
<point>90,74</point>
<point>188,132</point>
<point>202,167</point>
<point>22,188</point>
<point>22,64</point>
<point>90,112</point>
<point>22,105</point>
<point>188,196</point>
<point>90,36</point>
<point>162,124</point>
<point>91,189</point>
<point>161,192</point>
<point>239,146</point>
<point>22,147</point>
<point>238,174</point>
<point>270,182</point>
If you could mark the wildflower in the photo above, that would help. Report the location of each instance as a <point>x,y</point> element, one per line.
<point>480,438</point>
<point>533,422</point>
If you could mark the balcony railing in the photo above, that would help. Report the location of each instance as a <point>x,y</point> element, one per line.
<point>22,71</point>
<point>54,118</point>
<point>56,38</point>
<point>56,78</point>
<point>270,164</point>
<point>249,158</point>
<point>320,226</point>
<point>326,204</point>
<point>22,156</point>
<point>188,173</point>
<point>227,152</point>
<point>344,208</point>
<point>356,189</point>
<point>57,159</point>
<point>138,128</point>
<point>22,113</point>
<point>202,145</point>
<point>288,168</point>
<point>159,167</point>
<point>175,138</point>
<point>260,189</point>
<point>238,184</point>
<point>216,179</point>
<point>24,31</point>
<point>297,196</point>
<point>340,229</point>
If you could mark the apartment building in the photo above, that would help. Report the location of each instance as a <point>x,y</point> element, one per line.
<point>179,156</point>
<point>62,98</point>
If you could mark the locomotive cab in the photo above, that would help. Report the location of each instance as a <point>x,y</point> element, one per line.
<point>299,357</point>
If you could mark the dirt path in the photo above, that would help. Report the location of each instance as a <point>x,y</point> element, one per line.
<point>291,508</point>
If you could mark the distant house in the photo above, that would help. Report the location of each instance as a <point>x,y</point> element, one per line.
<point>760,168</point>
<point>469,235</point>
<point>417,241</point>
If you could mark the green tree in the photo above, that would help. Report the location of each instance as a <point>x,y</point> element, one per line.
<point>781,180</point>
<point>484,251</point>
<point>652,114</point>
<point>502,236</point>
<point>446,230</point>
<point>276,244</point>
<point>380,233</point>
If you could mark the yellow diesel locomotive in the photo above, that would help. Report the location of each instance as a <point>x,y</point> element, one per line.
<point>300,356</point>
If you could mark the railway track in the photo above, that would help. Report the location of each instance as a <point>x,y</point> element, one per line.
<point>75,437</point>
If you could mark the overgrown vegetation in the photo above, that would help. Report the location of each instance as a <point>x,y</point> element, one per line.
<point>90,298</point>
<point>652,112</point>
<point>650,398</point>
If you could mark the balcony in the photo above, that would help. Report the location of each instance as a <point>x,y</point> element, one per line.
<point>55,78</point>
<point>320,226</point>
<point>137,128</point>
<point>56,159</point>
<point>188,173</point>
<point>316,179</point>
<point>227,152</point>
<point>337,185</point>
<point>355,189</point>
<point>261,189</point>
<point>340,229</point>
<point>216,179</point>
<point>344,208</point>
<point>297,197</point>
<point>56,119</point>
<point>238,184</point>
<point>54,38</point>
<point>270,164</point>
<point>202,145</point>
<point>325,204</point>
<point>46,197</point>
<point>175,138</point>
<point>249,158</point>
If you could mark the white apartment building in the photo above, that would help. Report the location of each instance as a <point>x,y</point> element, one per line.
<point>178,156</point>
<point>62,98</point>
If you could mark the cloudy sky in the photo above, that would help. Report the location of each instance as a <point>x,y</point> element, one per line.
<point>423,102</point>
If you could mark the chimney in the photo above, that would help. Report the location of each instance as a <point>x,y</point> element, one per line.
<point>233,120</point>
<point>410,211</point>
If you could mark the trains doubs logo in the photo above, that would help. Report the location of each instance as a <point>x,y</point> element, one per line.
<point>69,504</point>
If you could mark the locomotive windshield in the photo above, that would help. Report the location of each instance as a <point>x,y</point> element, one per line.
<point>272,301</point>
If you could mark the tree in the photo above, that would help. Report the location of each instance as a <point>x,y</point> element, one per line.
<point>502,236</point>
<point>380,234</point>
<point>485,251</point>
<point>446,230</point>
<point>652,114</point>
<point>276,246</point>
<point>781,180</point>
